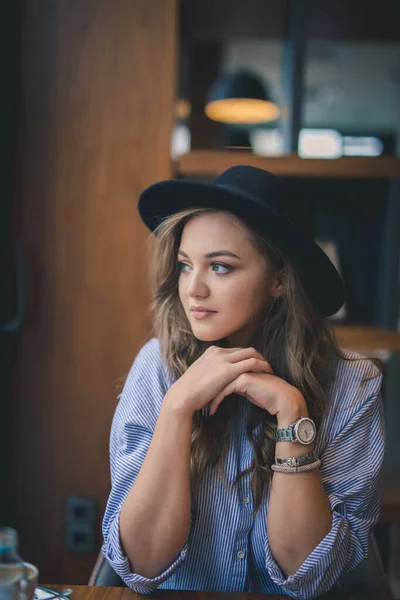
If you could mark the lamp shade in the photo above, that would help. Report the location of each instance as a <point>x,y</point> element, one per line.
<point>240,98</point>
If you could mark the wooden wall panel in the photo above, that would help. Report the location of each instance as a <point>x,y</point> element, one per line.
<point>97,94</point>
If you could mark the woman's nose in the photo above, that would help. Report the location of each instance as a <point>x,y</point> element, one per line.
<point>197,285</point>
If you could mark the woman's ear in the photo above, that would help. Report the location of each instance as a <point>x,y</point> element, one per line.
<point>278,285</point>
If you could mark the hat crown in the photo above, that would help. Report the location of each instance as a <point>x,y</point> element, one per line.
<point>265,188</point>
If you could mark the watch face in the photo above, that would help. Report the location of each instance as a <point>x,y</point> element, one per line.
<point>305,430</point>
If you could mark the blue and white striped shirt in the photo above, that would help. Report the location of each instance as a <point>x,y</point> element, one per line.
<point>227,548</point>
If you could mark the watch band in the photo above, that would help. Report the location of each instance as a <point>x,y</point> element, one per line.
<point>297,461</point>
<point>285,434</point>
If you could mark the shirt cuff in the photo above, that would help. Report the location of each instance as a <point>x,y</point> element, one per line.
<point>113,552</point>
<point>320,571</point>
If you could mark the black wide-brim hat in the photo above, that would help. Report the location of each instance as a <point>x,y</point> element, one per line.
<point>269,205</point>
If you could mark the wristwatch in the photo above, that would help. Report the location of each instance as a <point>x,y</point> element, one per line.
<point>303,431</point>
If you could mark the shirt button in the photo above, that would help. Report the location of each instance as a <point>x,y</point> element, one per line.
<point>246,500</point>
<point>240,555</point>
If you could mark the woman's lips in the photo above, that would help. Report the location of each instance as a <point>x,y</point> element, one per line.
<point>202,314</point>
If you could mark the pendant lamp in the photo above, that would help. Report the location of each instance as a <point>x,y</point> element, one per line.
<point>240,99</point>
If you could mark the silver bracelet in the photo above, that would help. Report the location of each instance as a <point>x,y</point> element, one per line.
<point>287,469</point>
<point>297,461</point>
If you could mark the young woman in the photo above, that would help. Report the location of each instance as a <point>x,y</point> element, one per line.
<point>246,448</point>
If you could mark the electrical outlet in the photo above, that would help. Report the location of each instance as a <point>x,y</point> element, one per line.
<point>80,525</point>
<point>80,538</point>
<point>80,510</point>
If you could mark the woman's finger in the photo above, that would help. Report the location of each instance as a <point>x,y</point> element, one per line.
<point>238,354</point>
<point>252,364</point>
<point>214,404</point>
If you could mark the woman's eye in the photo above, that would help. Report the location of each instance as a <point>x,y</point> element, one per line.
<point>215,265</point>
<point>181,265</point>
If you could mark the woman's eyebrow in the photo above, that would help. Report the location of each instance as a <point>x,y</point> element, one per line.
<point>213,254</point>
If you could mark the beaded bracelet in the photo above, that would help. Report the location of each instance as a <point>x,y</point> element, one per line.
<point>302,469</point>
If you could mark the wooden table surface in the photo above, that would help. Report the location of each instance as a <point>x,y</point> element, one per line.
<point>83,592</point>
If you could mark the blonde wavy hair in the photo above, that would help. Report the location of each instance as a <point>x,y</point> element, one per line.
<point>292,336</point>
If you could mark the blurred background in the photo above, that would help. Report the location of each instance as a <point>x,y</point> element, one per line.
<point>101,99</point>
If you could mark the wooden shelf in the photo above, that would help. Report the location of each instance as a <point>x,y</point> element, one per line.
<point>365,338</point>
<point>214,162</point>
<point>390,504</point>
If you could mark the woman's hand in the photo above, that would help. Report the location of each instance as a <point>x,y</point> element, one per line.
<point>267,391</point>
<point>214,371</point>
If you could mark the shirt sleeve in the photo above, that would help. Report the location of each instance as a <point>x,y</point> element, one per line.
<point>131,434</point>
<point>350,472</point>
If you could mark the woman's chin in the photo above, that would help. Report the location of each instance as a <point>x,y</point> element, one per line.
<point>205,338</point>
<point>212,335</point>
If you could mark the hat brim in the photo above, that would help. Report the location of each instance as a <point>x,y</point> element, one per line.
<point>320,277</point>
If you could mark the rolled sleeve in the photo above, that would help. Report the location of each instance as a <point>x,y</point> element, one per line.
<point>113,552</point>
<point>350,472</point>
<point>131,435</point>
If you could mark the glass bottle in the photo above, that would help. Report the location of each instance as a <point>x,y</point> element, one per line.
<point>13,576</point>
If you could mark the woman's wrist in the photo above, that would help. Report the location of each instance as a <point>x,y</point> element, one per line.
<point>292,409</point>
<point>177,407</point>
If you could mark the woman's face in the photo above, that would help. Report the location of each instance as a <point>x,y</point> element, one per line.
<point>235,282</point>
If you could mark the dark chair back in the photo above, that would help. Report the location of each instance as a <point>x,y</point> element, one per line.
<point>104,574</point>
<point>368,580</point>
